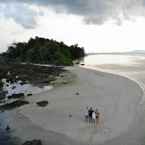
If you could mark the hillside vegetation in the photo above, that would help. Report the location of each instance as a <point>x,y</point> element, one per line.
<point>43,51</point>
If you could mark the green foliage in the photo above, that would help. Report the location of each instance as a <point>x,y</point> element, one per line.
<point>43,51</point>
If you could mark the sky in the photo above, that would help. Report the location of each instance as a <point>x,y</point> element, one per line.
<point>96,25</point>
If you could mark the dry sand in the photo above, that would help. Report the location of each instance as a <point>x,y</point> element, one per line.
<point>116,97</point>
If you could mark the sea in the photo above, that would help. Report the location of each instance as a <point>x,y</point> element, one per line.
<point>5,136</point>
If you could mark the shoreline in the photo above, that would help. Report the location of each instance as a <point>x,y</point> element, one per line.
<point>124,74</point>
<point>26,111</point>
<point>135,135</point>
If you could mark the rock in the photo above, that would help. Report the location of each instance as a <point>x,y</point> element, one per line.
<point>22,83</point>
<point>33,142</point>
<point>2,95</point>
<point>8,73</point>
<point>14,87</point>
<point>65,82</point>
<point>13,105</point>
<point>8,128</point>
<point>77,93</point>
<point>30,94</point>
<point>70,115</point>
<point>4,80</point>
<point>15,96</point>
<point>42,103</point>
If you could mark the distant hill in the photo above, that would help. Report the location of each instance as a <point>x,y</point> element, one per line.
<point>42,51</point>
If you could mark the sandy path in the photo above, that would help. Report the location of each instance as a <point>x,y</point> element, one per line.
<point>116,97</point>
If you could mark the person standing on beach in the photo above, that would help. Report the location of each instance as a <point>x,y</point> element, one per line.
<point>90,112</point>
<point>94,117</point>
<point>97,116</point>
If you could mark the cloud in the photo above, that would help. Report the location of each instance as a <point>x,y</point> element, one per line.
<point>20,13</point>
<point>93,11</point>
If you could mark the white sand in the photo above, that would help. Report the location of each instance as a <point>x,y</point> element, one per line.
<point>116,97</point>
<point>134,69</point>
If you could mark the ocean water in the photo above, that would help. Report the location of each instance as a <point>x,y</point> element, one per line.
<point>114,59</point>
<point>5,137</point>
<point>15,88</point>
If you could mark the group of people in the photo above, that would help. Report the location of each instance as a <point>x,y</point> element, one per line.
<point>92,115</point>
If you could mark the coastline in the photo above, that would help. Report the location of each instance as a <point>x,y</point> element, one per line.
<point>129,75</point>
<point>76,131</point>
<point>135,134</point>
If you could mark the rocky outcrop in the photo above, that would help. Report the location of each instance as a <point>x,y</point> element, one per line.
<point>33,142</point>
<point>42,103</point>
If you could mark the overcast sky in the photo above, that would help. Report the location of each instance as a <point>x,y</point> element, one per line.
<point>97,25</point>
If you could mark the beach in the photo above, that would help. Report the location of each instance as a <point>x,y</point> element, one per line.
<point>116,97</point>
<point>72,72</point>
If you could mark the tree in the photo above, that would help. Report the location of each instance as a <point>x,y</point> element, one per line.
<point>41,50</point>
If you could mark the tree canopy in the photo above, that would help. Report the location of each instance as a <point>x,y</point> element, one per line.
<point>43,51</point>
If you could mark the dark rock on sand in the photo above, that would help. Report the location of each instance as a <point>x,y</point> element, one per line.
<point>15,96</point>
<point>8,128</point>
<point>13,105</point>
<point>42,103</point>
<point>33,142</point>
<point>77,93</point>
<point>29,94</point>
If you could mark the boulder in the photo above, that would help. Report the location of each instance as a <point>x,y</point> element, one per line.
<point>33,142</point>
<point>42,103</point>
